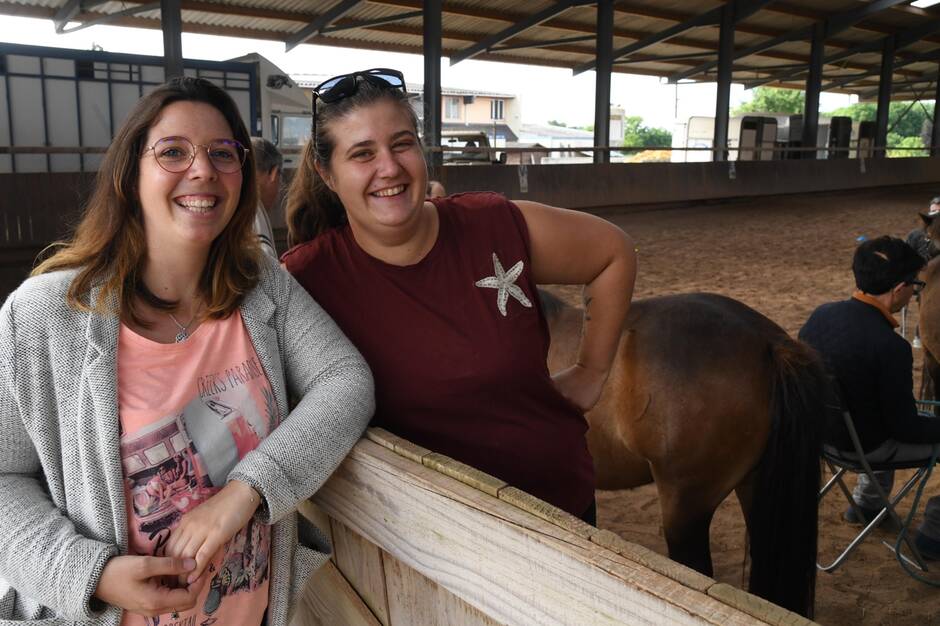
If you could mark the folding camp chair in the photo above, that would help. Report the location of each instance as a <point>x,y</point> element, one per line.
<point>841,463</point>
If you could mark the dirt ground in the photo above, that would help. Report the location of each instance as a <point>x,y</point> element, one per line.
<point>782,256</point>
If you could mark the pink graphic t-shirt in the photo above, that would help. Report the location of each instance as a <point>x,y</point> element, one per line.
<point>189,412</point>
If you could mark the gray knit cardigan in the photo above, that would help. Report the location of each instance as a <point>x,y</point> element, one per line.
<point>62,509</point>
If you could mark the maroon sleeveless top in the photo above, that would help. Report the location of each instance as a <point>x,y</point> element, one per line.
<point>458,346</point>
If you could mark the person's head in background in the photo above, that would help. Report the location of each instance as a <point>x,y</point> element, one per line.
<point>268,164</point>
<point>436,189</point>
<point>886,268</point>
<point>934,206</point>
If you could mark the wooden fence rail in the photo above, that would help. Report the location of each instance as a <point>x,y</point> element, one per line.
<point>422,539</point>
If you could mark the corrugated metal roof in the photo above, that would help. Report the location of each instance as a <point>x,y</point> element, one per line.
<point>566,39</point>
<point>309,81</point>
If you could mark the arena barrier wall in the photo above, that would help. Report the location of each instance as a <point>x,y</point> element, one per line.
<point>38,208</point>
<point>617,185</point>
<point>421,539</point>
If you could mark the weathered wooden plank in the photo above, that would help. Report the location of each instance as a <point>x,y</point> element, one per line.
<point>316,516</point>
<point>393,442</point>
<point>329,600</point>
<point>464,473</point>
<point>361,564</point>
<point>512,566</point>
<point>758,607</point>
<point>543,510</point>
<point>415,599</point>
<point>653,560</point>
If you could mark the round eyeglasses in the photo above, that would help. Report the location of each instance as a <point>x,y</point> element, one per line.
<point>177,154</point>
<point>918,285</point>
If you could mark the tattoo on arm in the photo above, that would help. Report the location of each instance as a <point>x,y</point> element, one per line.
<point>587,308</point>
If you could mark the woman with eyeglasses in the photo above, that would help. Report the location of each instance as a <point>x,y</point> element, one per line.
<point>440,294</point>
<point>150,465</point>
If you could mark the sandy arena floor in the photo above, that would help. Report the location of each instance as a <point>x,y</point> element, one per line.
<point>783,256</point>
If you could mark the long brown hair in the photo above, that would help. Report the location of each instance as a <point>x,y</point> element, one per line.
<point>109,247</point>
<point>311,206</point>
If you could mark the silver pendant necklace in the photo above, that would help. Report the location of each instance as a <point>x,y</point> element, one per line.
<point>182,335</point>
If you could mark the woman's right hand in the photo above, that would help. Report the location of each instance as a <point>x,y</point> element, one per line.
<point>136,584</point>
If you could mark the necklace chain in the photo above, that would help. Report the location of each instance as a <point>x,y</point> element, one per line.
<point>183,333</point>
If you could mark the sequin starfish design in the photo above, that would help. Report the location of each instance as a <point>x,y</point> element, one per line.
<point>505,284</point>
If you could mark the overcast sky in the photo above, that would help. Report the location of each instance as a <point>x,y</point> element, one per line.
<point>545,93</point>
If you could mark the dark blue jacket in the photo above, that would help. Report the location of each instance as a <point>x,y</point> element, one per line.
<point>874,365</point>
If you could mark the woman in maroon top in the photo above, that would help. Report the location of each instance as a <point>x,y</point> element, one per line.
<point>440,295</point>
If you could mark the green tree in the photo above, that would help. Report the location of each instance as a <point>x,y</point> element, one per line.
<point>636,134</point>
<point>905,142</point>
<point>557,123</point>
<point>773,100</point>
<point>860,112</point>
<point>906,120</point>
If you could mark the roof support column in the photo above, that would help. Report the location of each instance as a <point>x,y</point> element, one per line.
<point>935,131</point>
<point>723,98</point>
<point>884,96</point>
<point>172,22</point>
<point>813,85</point>
<point>604,62</point>
<point>432,80</point>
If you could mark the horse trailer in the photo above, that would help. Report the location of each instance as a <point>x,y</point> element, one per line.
<point>71,102</point>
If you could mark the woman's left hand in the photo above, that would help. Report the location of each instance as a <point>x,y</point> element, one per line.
<point>205,529</point>
<point>580,386</point>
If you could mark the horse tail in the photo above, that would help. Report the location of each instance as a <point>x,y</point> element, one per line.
<point>552,305</point>
<point>783,517</point>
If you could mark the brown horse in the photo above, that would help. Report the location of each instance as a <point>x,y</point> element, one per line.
<point>707,396</point>
<point>929,311</point>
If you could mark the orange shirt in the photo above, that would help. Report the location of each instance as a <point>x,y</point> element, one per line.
<point>189,412</point>
<point>867,299</point>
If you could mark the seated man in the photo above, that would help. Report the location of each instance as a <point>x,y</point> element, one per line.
<point>873,365</point>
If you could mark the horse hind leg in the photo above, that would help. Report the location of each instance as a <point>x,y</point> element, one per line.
<point>687,518</point>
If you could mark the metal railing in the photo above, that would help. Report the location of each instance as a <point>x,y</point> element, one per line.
<point>561,150</point>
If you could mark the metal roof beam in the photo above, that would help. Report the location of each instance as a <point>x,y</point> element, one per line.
<point>605,57</point>
<point>316,27</point>
<point>740,54</point>
<point>112,17</point>
<point>664,58</point>
<point>705,19</point>
<point>884,94</point>
<point>490,42</point>
<point>903,40</point>
<point>812,90</point>
<point>919,58</point>
<point>743,9</point>
<point>171,23</point>
<point>935,126</point>
<point>907,85</point>
<point>379,21</point>
<point>839,22</point>
<point>834,25</point>
<point>544,44</point>
<point>69,10</point>
<point>723,92</point>
<point>432,44</point>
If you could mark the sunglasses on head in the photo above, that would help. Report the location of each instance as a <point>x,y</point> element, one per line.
<point>342,86</point>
